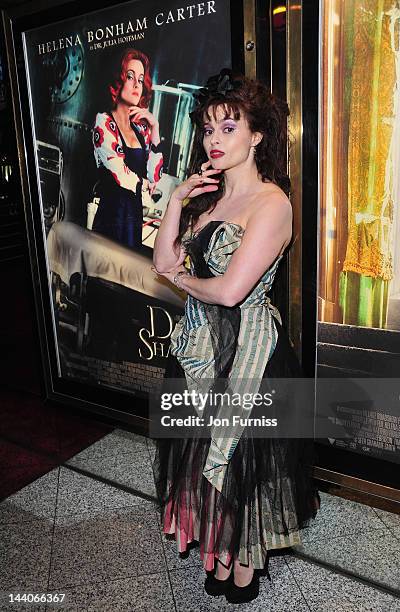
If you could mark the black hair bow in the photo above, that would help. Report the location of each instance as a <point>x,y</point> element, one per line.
<point>217,85</point>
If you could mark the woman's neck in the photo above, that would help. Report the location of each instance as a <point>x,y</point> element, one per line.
<point>241,180</point>
<point>121,115</point>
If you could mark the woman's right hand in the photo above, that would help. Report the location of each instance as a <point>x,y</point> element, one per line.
<point>197,183</point>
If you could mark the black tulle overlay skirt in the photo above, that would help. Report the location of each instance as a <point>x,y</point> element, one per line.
<point>268,494</point>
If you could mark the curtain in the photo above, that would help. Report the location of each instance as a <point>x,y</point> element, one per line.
<point>368,267</point>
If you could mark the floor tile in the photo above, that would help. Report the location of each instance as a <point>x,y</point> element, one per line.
<point>389,518</point>
<point>282,594</point>
<point>328,591</point>
<point>109,552</point>
<point>25,555</point>
<point>122,543</point>
<point>78,493</point>
<point>116,443</point>
<point>132,469</point>
<point>396,532</point>
<point>373,555</point>
<point>177,561</point>
<point>19,606</point>
<point>35,501</point>
<point>140,594</point>
<point>21,466</point>
<point>338,517</point>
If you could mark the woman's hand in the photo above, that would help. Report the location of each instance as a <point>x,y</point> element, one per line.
<point>136,113</point>
<point>197,183</point>
<point>171,274</point>
<point>152,187</point>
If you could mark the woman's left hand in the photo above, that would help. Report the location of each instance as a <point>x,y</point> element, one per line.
<point>152,187</point>
<point>170,274</point>
<point>136,113</point>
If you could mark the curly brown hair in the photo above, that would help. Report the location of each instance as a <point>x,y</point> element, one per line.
<point>264,112</point>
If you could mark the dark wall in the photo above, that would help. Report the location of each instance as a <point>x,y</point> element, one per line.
<point>20,354</point>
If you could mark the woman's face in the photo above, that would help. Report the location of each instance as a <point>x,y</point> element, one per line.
<point>228,141</point>
<point>132,89</point>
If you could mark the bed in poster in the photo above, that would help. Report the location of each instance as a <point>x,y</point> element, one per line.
<point>105,175</point>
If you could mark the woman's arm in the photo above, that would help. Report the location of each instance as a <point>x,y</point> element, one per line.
<point>165,256</point>
<point>150,130</point>
<point>109,152</point>
<point>267,232</point>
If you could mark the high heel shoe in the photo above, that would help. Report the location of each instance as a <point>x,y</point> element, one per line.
<point>264,571</point>
<point>235,594</point>
<point>215,587</point>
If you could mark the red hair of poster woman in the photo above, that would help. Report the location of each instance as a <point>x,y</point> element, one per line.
<point>120,78</point>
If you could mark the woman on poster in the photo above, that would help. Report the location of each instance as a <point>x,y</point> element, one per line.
<point>127,151</point>
<point>244,495</point>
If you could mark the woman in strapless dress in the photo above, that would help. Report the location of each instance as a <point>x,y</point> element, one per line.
<point>236,493</point>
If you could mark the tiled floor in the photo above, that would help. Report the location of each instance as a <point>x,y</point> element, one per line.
<point>102,546</point>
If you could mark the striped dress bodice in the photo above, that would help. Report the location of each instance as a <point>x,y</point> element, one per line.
<point>191,342</point>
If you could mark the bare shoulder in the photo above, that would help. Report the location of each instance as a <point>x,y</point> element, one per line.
<point>272,202</point>
<point>275,197</point>
<point>271,216</point>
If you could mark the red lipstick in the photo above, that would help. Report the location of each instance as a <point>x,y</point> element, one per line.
<point>214,153</point>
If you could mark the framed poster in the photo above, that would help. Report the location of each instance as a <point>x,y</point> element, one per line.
<point>105,136</point>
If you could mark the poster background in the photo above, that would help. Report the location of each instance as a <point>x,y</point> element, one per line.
<point>185,51</point>
<point>109,332</point>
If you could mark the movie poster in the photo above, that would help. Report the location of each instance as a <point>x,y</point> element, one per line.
<point>106,174</point>
<point>359,264</point>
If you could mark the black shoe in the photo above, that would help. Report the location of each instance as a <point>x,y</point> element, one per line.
<point>264,571</point>
<point>215,587</point>
<point>235,594</point>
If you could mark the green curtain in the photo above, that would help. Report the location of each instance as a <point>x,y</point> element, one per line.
<point>367,269</point>
<point>363,299</point>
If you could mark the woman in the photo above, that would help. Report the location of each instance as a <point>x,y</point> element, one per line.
<point>127,152</point>
<point>237,495</point>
